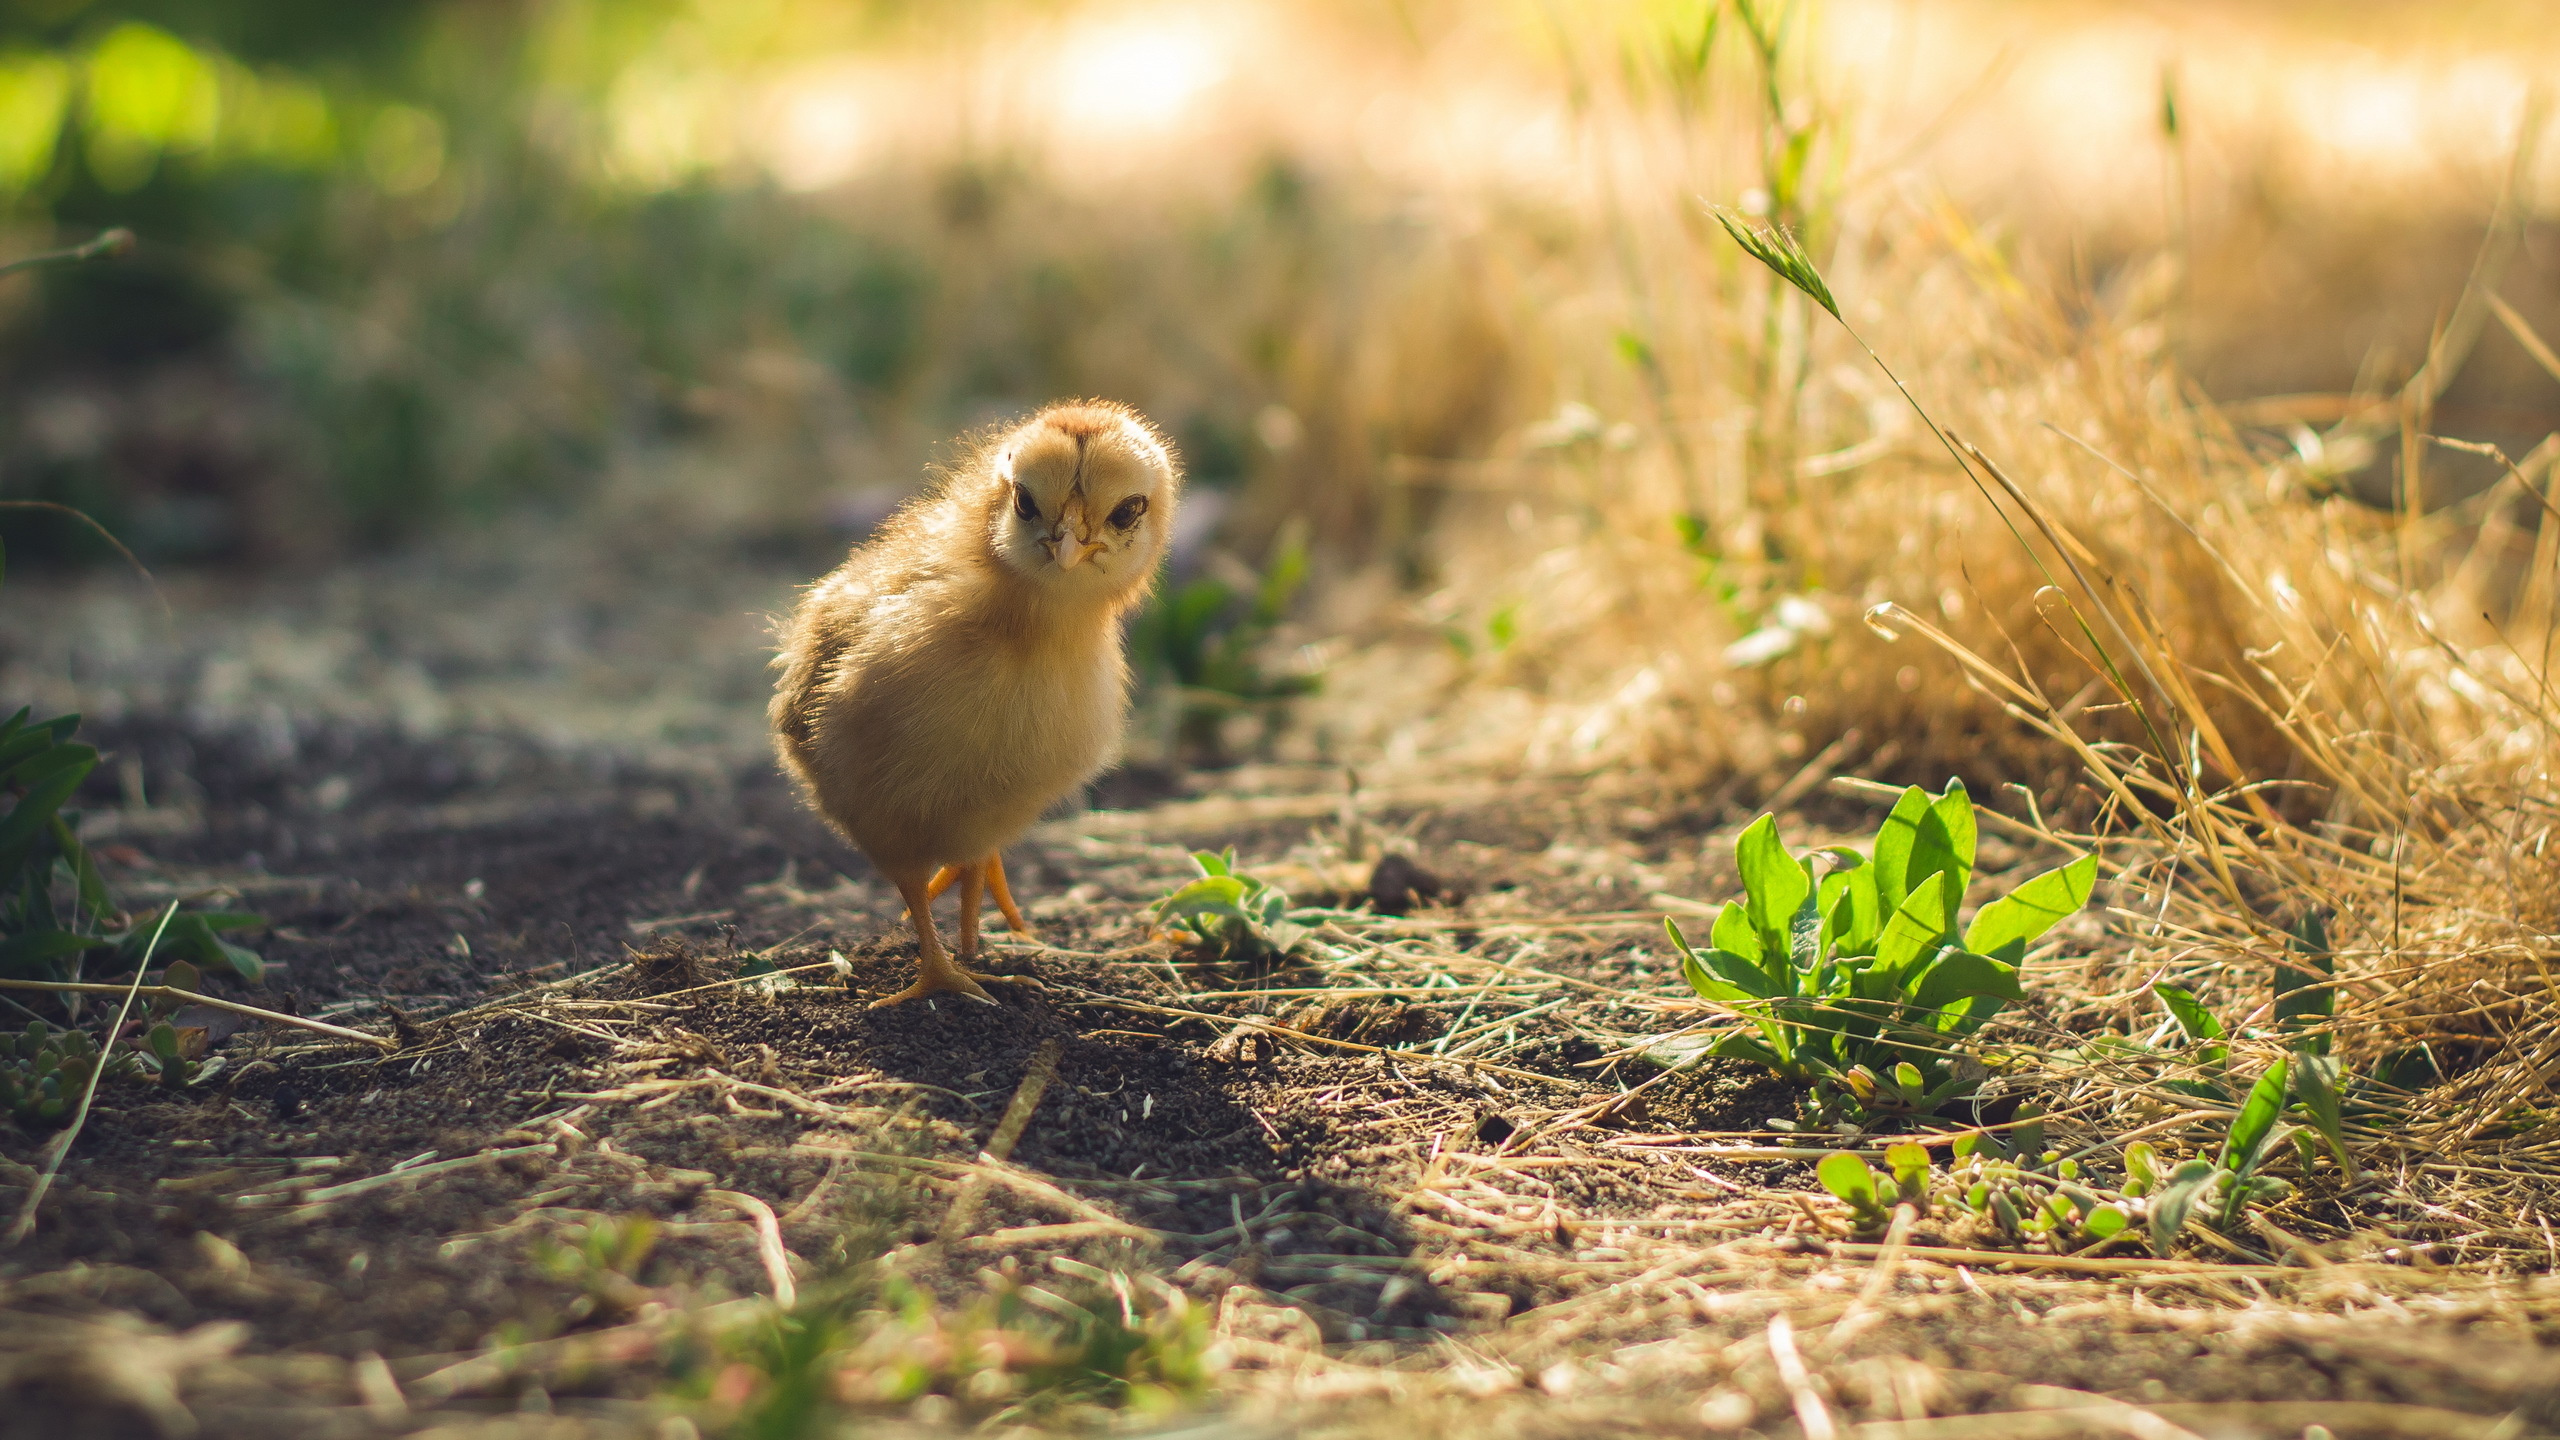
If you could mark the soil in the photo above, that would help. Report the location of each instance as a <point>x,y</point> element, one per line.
<point>565,946</point>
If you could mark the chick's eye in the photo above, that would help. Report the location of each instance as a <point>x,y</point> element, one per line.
<point>1023,504</point>
<point>1126,513</point>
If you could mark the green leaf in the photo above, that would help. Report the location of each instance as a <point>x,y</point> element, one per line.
<point>1847,1176</point>
<point>1960,975</point>
<point>2177,1200</point>
<point>95,906</point>
<point>2316,1085</point>
<point>1910,1166</point>
<point>49,780</point>
<point>1852,915</point>
<point>2307,996</point>
<point>1741,974</point>
<point>32,956</point>
<point>1716,973</point>
<point>1210,892</point>
<point>1916,930</point>
<point>2194,1019</point>
<point>183,976</point>
<point>1894,841</point>
<point>18,745</point>
<point>2007,926</point>
<point>1944,842</point>
<point>1733,934</point>
<point>1782,253</point>
<point>2141,1168</point>
<point>2256,1122</point>
<point>1773,882</point>
<point>1740,1045</point>
<point>2026,1135</point>
<point>2105,1222</point>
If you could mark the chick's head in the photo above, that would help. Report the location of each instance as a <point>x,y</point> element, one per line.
<point>1086,500</point>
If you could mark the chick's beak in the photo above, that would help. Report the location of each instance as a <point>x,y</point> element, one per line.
<point>1066,543</point>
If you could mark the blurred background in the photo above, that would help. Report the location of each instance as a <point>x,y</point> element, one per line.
<point>501,364</point>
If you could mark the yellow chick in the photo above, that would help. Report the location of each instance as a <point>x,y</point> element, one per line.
<point>963,670</point>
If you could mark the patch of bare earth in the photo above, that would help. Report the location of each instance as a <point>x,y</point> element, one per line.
<point>1405,1182</point>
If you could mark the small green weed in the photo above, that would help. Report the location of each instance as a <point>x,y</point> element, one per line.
<point>2229,1182</point>
<point>1020,1350</point>
<point>1016,1352</point>
<point>1236,915</point>
<point>1205,641</point>
<point>604,1260</point>
<point>54,906</point>
<point>2015,1192</point>
<point>43,1069</point>
<point>1851,971</point>
<point>2318,1093</point>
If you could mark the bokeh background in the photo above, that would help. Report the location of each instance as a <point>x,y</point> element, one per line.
<point>501,364</point>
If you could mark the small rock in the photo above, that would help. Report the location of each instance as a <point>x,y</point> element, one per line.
<point>1397,884</point>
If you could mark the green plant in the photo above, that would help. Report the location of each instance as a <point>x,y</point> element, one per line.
<point>1100,1338</point>
<point>1205,641</point>
<point>603,1259</point>
<point>43,1069</point>
<point>1016,1351</point>
<point>2229,1180</point>
<point>54,906</point>
<point>1851,971</point>
<point>1239,916</point>
<point>2012,1190</point>
<point>2322,1093</point>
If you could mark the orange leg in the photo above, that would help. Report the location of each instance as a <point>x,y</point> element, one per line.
<point>1004,898</point>
<point>973,884</point>
<point>935,973</point>
<point>940,882</point>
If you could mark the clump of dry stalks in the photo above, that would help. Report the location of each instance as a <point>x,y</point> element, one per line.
<point>2095,586</point>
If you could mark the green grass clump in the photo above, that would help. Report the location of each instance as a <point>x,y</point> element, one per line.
<point>43,1070</point>
<point>1095,1340</point>
<point>54,906</point>
<point>1851,971</point>
<point>1235,915</point>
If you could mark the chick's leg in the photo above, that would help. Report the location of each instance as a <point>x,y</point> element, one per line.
<point>974,880</point>
<point>973,885</point>
<point>935,974</point>
<point>1004,898</point>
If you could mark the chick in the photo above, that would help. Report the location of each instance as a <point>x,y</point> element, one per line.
<point>962,670</point>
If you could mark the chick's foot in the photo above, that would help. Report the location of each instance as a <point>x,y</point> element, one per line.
<point>946,978</point>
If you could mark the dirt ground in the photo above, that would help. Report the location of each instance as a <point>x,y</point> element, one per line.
<point>1401,1193</point>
